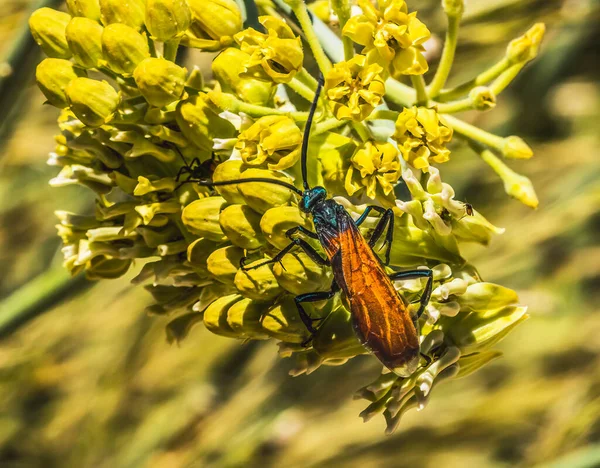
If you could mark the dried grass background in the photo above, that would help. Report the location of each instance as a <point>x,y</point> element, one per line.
<point>88,380</point>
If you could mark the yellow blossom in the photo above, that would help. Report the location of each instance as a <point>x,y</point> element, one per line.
<point>391,36</point>
<point>276,56</point>
<point>422,136</point>
<point>354,88</point>
<point>274,139</point>
<point>372,166</point>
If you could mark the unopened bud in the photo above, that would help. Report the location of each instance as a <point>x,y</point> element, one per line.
<point>48,30</point>
<point>85,41</point>
<point>201,217</point>
<point>525,48</point>
<point>166,19</point>
<point>130,12</point>
<point>93,102</point>
<point>515,148</point>
<point>124,48</point>
<point>160,81</point>
<point>215,18</point>
<point>84,8</point>
<point>482,98</point>
<point>53,76</point>
<point>261,196</point>
<point>241,225</point>
<point>224,263</point>
<point>259,283</point>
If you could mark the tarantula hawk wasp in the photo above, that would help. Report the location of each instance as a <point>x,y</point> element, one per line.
<point>380,316</point>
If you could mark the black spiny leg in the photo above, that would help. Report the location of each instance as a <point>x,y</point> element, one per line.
<point>310,251</point>
<point>290,232</point>
<point>313,297</point>
<point>386,220</point>
<point>414,274</point>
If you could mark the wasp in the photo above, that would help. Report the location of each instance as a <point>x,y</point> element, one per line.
<point>380,316</point>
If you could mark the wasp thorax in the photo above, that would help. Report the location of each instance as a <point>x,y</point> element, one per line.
<point>311,197</point>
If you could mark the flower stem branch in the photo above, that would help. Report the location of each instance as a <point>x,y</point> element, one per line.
<point>301,89</point>
<point>472,133</point>
<point>170,49</point>
<point>229,102</point>
<point>301,12</point>
<point>399,93</point>
<point>384,114</point>
<point>506,78</point>
<point>418,83</point>
<point>483,78</point>
<point>443,71</point>
<point>327,125</point>
<point>342,9</point>
<point>455,106</point>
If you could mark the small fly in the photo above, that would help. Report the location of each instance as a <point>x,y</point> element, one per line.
<point>380,316</point>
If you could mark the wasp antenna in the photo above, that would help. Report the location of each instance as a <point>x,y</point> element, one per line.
<point>209,183</point>
<point>306,136</point>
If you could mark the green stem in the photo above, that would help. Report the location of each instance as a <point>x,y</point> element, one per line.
<point>362,130</point>
<point>384,114</point>
<point>152,47</point>
<point>327,125</point>
<point>301,12</point>
<point>170,49</point>
<point>475,134</point>
<point>399,93</point>
<point>506,78</point>
<point>301,89</point>
<point>443,71</point>
<point>342,9</point>
<point>455,106</point>
<point>418,83</point>
<point>225,101</point>
<point>307,79</point>
<point>482,79</point>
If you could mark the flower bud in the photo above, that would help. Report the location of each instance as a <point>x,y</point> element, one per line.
<point>258,284</point>
<point>525,48</point>
<point>215,19</point>
<point>297,273</point>
<point>487,296</point>
<point>124,48</point>
<point>515,148</point>
<point>476,331</point>
<point>224,263</point>
<point>229,170</point>
<point>520,187</point>
<point>93,102</point>
<point>201,217</point>
<point>160,81</point>
<point>166,19</point>
<point>84,8</point>
<point>277,221</point>
<point>482,98</point>
<point>475,229</point>
<point>53,76</point>
<point>282,321</point>
<point>241,225</point>
<point>215,316</point>
<point>48,30</point>
<point>200,123</point>
<point>244,318</point>
<point>85,41</point>
<point>453,7</point>
<point>198,252</point>
<point>261,196</point>
<point>228,67</point>
<point>335,337</point>
<point>130,12</point>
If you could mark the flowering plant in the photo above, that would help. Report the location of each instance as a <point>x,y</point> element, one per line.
<point>139,136</point>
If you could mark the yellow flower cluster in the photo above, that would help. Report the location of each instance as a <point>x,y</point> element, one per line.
<point>372,166</point>
<point>422,136</point>
<point>354,88</point>
<point>273,139</point>
<point>391,36</point>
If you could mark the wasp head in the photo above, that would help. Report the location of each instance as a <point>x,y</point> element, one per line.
<point>311,198</point>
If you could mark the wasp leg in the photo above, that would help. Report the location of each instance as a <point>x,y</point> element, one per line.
<point>386,220</point>
<point>182,170</point>
<point>307,320</point>
<point>413,274</point>
<point>195,163</point>
<point>310,251</point>
<point>290,232</point>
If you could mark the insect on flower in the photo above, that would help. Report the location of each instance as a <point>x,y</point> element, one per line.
<point>195,169</point>
<point>380,316</point>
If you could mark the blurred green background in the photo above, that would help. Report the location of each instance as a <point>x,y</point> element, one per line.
<point>87,379</point>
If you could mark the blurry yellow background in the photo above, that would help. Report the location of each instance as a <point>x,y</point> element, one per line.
<point>87,379</point>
